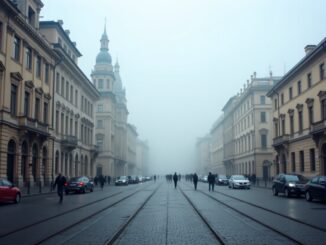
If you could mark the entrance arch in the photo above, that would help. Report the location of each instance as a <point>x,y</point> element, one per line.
<point>23,164</point>
<point>34,161</point>
<point>76,165</point>
<point>323,160</point>
<point>44,162</point>
<point>56,163</point>
<point>11,160</point>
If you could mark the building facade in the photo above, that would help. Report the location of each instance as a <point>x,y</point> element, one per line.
<point>26,81</point>
<point>216,147</point>
<point>132,149</point>
<point>74,101</point>
<point>111,114</point>
<point>203,154</point>
<point>142,158</point>
<point>299,114</point>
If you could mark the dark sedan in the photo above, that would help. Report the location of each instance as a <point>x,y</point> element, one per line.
<point>289,184</point>
<point>221,180</point>
<point>9,193</point>
<point>79,184</point>
<point>316,189</point>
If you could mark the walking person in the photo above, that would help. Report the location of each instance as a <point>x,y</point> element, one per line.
<point>60,182</point>
<point>195,180</point>
<point>175,179</point>
<point>211,181</point>
<point>101,180</point>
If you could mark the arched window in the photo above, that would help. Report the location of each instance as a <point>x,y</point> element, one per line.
<point>23,166</point>
<point>11,160</point>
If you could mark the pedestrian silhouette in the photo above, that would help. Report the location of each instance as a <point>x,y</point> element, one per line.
<point>60,183</point>
<point>175,179</point>
<point>211,181</point>
<point>195,180</point>
<point>101,180</point>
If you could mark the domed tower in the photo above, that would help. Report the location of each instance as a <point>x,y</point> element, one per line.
<point>104,80</point>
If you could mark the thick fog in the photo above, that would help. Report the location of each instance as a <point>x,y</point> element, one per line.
<point>181,60</point>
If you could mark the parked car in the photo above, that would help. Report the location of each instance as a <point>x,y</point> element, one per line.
<point>316,189</point>
<point>8,192</point>
<point>221,179</point>
<point>204,179</point>
<point>79,184</point>
<point>239,181</point>
<point>289,184</point>
<point>133,179</point>
<point>122,180</point>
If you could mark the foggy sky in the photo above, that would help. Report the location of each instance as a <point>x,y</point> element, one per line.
<point>181,60</point>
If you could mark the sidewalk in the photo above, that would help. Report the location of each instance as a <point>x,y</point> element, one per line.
<point>36,190</point>
<point>260,183</point>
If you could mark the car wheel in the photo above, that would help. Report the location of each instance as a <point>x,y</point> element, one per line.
<point>17,198</point>
<point>229,186</point>
<point>308,196</point>
<point>275,193</point>
<point>91,190</point>
<point>232,186</point>
<point>84,190</point>
<point>287,193</point>
<point>67,192</point>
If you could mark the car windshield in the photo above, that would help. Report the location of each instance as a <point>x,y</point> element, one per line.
<point>222,177</point>
<point>239,177</point>
<point>74,179</point>
<point>295,178</point>
<point>122,177</point>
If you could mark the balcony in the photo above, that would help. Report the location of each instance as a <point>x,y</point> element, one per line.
<point>69,141</point>
<point>34,126</point>
<point>318,127</point>
<point>281,140</point>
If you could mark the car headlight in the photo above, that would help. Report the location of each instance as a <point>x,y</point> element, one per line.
<point>291,185</point>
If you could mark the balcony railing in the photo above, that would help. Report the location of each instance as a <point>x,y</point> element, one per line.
<point>69,140</point>
<point>318,127</point>
<point>33,125</point>
<point>280,140</point>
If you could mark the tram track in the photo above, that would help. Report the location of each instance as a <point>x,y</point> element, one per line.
<point>16,232</point>
<point>122,228</point>
<point>259,221</point>
<point>215,233</point>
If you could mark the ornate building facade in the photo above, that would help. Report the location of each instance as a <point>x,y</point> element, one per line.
<point>111,114</point>
<point>299,115</point>
<point>26,77</point>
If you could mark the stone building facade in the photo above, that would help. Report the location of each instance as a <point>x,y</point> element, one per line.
<point>74,101</point>
<point>299,115</point>
<point>26,77</point>
<point>216,147</point>
<point>132,149</point>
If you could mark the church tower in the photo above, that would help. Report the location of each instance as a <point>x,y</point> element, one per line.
<point>111,114</point>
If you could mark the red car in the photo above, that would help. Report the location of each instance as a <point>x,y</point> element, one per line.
<point>8,192</point>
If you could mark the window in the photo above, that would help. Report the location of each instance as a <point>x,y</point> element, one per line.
<point>71,126</point>
<point>323,106</point>
<point>26,104</point>
<point>76,98</point>
<point>100,108</point>
<point>38,66</point>
<point>262,100</point>
<point>82,103</point>
<point>62,123</point>
<point>67,90</point>
<point>62,86</point>
<point>283,125</point>
<point>299,87</point>
<point>57,121</point>
<point>321,71</point>
<point>276,128</point>
<point>99,143</point>
<point>28,61</point>
<point>312,159</point>
<point>275,104</point>
<point>301,161</point>
<point>45,113</point>
<point>263,138</point>
<point>71,94</point>
<point>57,83</point>
<point>311,114</point>
<point>100,123</point>
<point>309,80</point>
<point>290,93</point>
<point>108,83</point>
<point>66,129</point>
<point>13,100</point>
<point>282,99</point>
<point>60,41</point>
<point>46,73</point>
<point>37,109</point>
<point>291,124</point>
<point>100,84</point>
<point>76,128</point>
<point>31,17</point>
<point>16,49</point>
<point>262,116</point>
<point>293,162</point>
<point>300,121</point>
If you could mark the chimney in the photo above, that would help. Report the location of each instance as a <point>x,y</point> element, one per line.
<point>60,22</point>
<point>309,48</point>
<point>67,32</point>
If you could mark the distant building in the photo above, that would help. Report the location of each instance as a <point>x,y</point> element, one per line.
<point>203,154</point>
<point>111,115</point>
<point>142,158</point>
<point>299,115</point>
<point>132,149</point>
<point>216,147</point>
